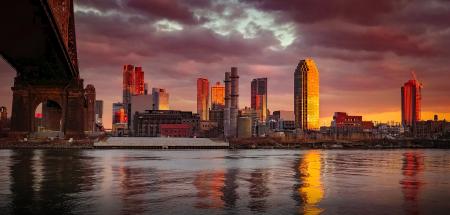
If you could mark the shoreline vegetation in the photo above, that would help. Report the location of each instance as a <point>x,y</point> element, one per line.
<point>250,143</point>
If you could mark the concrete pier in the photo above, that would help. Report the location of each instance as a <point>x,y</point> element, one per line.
<point>161,143</point>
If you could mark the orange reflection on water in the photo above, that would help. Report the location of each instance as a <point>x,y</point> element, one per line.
<point>413,165</point>
<point>311,191</point>
<point>209,189</point>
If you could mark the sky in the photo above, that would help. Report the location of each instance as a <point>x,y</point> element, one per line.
<point>365,50</point>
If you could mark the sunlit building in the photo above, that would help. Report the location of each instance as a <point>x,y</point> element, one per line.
<point>160,99</point>
<point>119,120</point>
<point>133,82</point>
<point>217,96</point>
<point>203,98</point>
<point>306,95</point>
<point>259,97</point>
<point>411,99</point>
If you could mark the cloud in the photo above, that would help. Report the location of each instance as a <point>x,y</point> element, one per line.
<point>364,49</point>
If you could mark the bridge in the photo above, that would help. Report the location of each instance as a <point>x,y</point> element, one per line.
<point>38,41</point>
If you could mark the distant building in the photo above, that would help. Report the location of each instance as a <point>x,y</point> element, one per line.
<point>411,96</point>
<point>259,98</point>
<point>218,117</point>
<point>175,130</point>
<point>133,84</point>
<point>99,112</point>
<point>119,114</point>
<point>217,96</point>
<point>284,115</point>
<point>160,99</point>
<point>147,124</point>
<point>244,127</point>
<point>119,120</point>
<point>433,129</point>
<point>208,129</point>
<point>203,98</point>
<point>306,95</point>
<point>139,103</point>
<point>344,125</point>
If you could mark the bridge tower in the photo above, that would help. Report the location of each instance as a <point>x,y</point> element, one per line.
<point>41,46</point>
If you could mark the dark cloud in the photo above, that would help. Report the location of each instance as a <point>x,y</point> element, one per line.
<point>364,49</point>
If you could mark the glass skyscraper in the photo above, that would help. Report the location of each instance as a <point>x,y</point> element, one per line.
<point>411,102</point>
<point>306,95</point>
<point>203,98</point>
<point>259,97</point>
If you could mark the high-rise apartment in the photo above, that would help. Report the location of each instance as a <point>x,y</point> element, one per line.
<point>203,98</point>
<point>306,95</point>
<point>411,96</point>
<point>217,96</point>
<point>160,99</point>
<point>259,98</point>
<point>133,84</point>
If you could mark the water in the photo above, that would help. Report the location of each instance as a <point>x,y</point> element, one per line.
<point>225,182</point>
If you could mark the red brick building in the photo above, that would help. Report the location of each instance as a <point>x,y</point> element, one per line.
<point>175,130</point>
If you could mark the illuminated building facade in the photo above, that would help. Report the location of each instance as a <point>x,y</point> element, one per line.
<point>119,120</point>
<point>133,82</point>
<point>160,99</point>
<point>217,96</point>
<point>203,98</point>
<point>306,95</point>
<point>259,98</point>
<point>411,96</point>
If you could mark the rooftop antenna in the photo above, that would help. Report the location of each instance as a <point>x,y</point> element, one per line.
<point>415,78</point>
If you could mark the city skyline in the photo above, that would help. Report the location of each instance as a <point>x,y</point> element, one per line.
<point>373,62</point>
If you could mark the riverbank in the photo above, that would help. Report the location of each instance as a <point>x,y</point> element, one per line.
<point>274,143</point>
<point>205,143</point>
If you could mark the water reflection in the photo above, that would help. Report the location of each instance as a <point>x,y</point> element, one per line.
<point>209,189</point>
<point>49,181</point>
<point>230,195</point>
<point>413,165</point>
<point>135,186</point>
<point>21,172</point>
<point>310,190</point>
<point>258,190</point>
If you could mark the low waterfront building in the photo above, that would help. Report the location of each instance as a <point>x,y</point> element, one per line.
<point>175,130</point>
<point>347,126</point>
<point>147,124</point>
<point>433,129</point>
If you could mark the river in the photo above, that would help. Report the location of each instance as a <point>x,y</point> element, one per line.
<point>225,182</point>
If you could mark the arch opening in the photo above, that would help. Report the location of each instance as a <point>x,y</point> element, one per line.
<point>48,119</point>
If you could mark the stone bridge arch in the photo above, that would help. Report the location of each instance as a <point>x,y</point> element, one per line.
<point>70,98</point>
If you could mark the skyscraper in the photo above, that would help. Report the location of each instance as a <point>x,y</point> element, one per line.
<point>259,98</point>
<point>133,84</point>
<point>160,99</point>
<point>411,95</point>
<point>306,95</point>
<point>217,96</point>
<point>203,98</point>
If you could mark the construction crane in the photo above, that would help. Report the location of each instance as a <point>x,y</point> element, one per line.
<point>415,78</point>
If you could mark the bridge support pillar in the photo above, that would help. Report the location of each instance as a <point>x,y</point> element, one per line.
<point>70,113</point>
